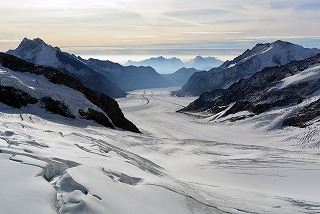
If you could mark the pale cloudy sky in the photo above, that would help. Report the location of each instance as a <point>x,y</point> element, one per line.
<point>159,25</point>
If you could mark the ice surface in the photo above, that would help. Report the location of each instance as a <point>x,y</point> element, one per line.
<point>180,164</point>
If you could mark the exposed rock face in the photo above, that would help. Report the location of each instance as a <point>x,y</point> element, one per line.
<point>96,116</point>
<point>301,118</point>
<point>244,66</point>
<point>38,52</point>
<point>105,103</point>
<point>15,97</point>
<point>56,107</point>
<point>272,87</point>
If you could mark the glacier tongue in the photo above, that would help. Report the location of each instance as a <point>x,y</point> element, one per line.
<point>181,164</point>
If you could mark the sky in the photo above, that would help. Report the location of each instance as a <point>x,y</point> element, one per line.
<point>159,27</point>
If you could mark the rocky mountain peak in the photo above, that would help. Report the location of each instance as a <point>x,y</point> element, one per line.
<point>32,44</point>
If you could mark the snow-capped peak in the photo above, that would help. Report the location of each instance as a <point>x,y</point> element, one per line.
<point>251,61</point>
<point>278,53</point>
<point>36,51</point>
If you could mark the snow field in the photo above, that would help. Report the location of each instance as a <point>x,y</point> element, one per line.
<point>180,164</point>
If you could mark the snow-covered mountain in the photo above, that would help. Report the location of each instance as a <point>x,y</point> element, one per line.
<point>128,78</point>
<point>38,52</point>
<point>251,61</point>
<point>181,76</point>
<point>294,88</point>
<point>170,65</point>
<point>23,84</point>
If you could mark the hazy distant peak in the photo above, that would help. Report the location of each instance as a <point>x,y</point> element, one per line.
<point>170,65</point>
<point>199,58</point>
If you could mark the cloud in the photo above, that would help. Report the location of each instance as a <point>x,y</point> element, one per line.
<point>311,5</point>
<point>159,22</point>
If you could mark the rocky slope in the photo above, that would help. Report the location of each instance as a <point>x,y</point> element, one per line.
<point>128,78</point>
<point>244,66</point>
<point>295,86</point>
<point>23,83</point>
<point>38,52</point>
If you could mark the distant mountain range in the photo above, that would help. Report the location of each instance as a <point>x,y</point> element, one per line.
<point>103,76</point>
<point>244,66</point>
<point>128,78</point>
<point>291,90</point>
<point>171,65</point>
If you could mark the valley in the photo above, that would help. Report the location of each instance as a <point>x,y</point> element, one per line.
<point>180,163</point>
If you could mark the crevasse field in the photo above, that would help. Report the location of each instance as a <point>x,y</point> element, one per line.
<point>180,164</point>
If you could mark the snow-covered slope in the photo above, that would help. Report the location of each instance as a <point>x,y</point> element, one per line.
<point>251,61</point>
<point>23,84</point>
<point>128,78</point>
<point>181,76</point>
<point>295,87</point>
<point>38,52</point>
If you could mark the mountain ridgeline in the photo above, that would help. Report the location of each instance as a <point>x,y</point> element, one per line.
<point>38,52</point>
<point>103,76</point>
<point>294,86</point>
<point>171,65</point>
<point>244,66</point>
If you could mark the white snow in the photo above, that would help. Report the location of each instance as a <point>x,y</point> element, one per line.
<point>303,76</point>
<point>39,87</point>
<point>180,164</point>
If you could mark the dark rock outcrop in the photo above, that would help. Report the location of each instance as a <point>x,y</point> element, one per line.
<point>300,118</point>
<point>15,98</point>
<point>56,107</point>
<point>99,117</point>
<point>105,103</point>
